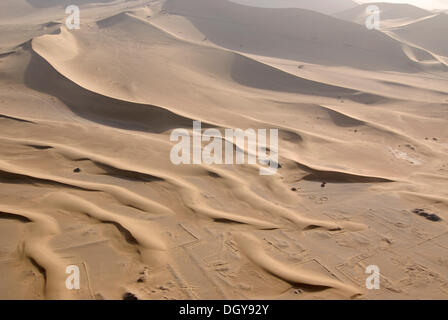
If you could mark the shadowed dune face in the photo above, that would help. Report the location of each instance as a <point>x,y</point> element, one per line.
<point>99,108</point>
<point>291,34</point>
<point>65,3</point>
<point>417,32</point>
<point>253,74</point>
<point>86,178</point>
<point>323,6</point>
<point>418,28</point>
<point>389,11</point>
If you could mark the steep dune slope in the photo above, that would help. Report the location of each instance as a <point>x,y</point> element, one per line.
<point>417,33</point>
<point>14,8</point>
<point>68,54</point>
<point>153,108</point>
<point>323,6</point>
<point>390,13</point>
<point>86,177</point>
<point>291,34</point>
<point>65,3</point>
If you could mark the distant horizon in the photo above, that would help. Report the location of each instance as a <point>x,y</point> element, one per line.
<point>425,4</point>
<point>271,152</point>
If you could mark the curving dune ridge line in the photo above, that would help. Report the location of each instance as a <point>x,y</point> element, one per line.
<point>86,180</point>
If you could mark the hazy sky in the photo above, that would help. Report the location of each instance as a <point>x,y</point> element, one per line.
<point>427,4</point>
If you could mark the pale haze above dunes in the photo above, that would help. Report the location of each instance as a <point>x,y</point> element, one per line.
<point>323,6</point>
<point>86,178</point>
<point>425,4</point>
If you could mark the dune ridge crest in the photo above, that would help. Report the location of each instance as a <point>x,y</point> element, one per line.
<point>87,183</point>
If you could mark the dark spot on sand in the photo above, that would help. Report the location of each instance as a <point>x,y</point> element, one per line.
<point>99,296</point>
<point>293,189</point>
<point>141,279</point>
<point>323,184</point>
<point>427,215</point>
<point>77,170</point>
<point>129,296</point>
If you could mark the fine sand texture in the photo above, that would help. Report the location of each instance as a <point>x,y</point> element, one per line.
<point>86,178</point>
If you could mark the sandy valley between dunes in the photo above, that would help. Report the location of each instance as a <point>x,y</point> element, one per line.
<point>86,177</point>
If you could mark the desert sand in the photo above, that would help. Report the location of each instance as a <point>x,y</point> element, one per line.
<point>85,171</point>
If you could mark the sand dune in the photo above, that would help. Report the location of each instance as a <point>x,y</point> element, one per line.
<point>323,6</point>
<point>293,34</point>
<point>390,13</point>
<point>64,3</point>
<point>409,25</point>
<point>251,247</point>
<point>416,33</point>
<point>86,179</point>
